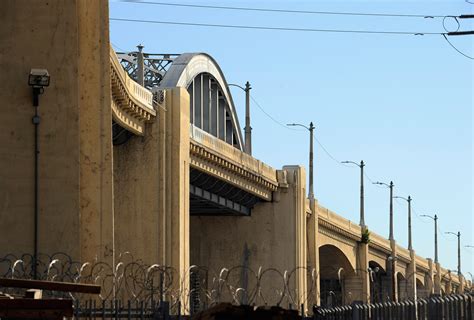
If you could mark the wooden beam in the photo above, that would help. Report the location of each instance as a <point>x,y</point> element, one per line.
<point>50,285</point>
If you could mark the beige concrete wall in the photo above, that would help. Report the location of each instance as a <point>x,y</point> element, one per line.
<point>151,190</point>
<point>136,206</point>
<point>70,39</point>
<point>272,237</point>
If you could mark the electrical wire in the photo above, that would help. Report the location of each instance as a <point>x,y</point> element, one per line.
<point>117,47</point>
<point>314,137</point>
<point>459,51</point>
<point>374,14</point>
<point>292,129</point>
<point>230,26</point>
<point>270,116</point>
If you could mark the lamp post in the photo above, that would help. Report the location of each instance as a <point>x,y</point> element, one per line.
<point>248,128</point>
<point>38,79</point>
<point>410,247</point>
<point>361,166</point>
<point>459,249</point>
<point>140,66</point>
<point>310,129</point>
<point>390,186</point>
<point>435,219</point>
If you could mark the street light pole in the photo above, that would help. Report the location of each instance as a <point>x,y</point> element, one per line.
<point>361,166</point>
<point>390,186</point>
<point>311,172</point>
<point>248,128</point>
<point>140,66</point>
<point>459,249</point>
<point>410,246</point>
<point>435,218</point>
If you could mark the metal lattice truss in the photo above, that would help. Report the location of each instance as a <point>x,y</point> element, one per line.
<point>155,66</point>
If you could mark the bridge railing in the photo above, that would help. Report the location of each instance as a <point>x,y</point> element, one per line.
<point>422,263</point>
<point>379,240</point>
<point>339,221</point>
<point>233,154</point>
<point>135,91</point>
<point>403,253</point>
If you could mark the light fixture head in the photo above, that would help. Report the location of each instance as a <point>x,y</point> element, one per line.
<point>38,78</point>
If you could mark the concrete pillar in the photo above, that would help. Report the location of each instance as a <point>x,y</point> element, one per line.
<point>71,40</point>
<point>173,191</point>
<point>430,285</point>
<point>313,254</point>
<point>461,284</point>
<point>363,271</point>
<point>411,277</point>
<point>393,271</point>
<point>95,127</point>
<point>437,279</point>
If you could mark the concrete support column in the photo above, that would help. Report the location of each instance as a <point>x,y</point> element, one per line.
<point>461,284</point>
<point>313,254</point>
<point>173,192</point>
<point>411,277</point>
<point>437,279</point>
<point>393,271</point>
<point>95,135</point>
<point>430,285</point>
<point>75,213</point>
<point>363,271</point>
<point>297,180</point>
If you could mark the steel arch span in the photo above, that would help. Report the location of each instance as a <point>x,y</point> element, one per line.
<point>212,108</point>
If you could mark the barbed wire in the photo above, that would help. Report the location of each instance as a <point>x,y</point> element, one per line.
<point>135,280</point>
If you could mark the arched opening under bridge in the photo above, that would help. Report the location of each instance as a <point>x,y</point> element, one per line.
<point>379,283</point>
<point>336,273</point>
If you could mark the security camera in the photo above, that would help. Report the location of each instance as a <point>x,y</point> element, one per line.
<point>38,78</point>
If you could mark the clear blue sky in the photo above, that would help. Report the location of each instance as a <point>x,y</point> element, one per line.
<point>403,104</point>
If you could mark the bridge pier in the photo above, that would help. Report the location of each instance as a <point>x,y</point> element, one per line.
<point>270,238</point>
<point>363,255</point>
<point>411,277</point>
<point>314,297</point>
<point>75,208</point>
<point>437,279</point>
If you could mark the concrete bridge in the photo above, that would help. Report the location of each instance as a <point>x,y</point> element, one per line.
<point>224,180</point>
<point>152,161</point>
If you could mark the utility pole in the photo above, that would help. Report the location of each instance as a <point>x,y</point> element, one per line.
<point>436,238</point>
<point>311,172</point>
<point>435,219</point>
<point>410,246</point>
<point>311,187</point>
<point>459,249</point>
<point>361,166</point>
<point>390,186</point>
<point>391,211</point>
<point>140,66</point>
<point>248,128</point>
<point>362,213</point>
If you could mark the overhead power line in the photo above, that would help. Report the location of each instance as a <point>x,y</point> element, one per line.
<point>459,51</point>
<point>370,14</point>
<point>276,28</point>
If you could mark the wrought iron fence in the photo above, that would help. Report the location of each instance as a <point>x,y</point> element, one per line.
<point>450,307</point>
